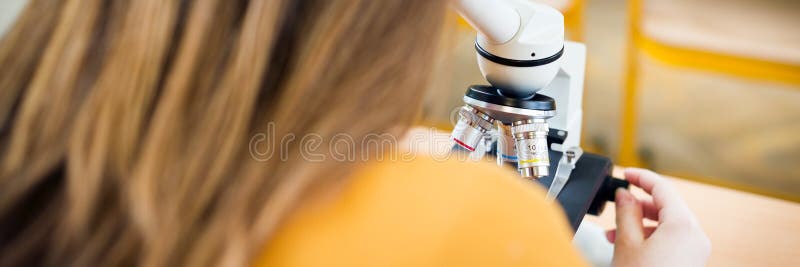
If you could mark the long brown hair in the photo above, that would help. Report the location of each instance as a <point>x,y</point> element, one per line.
<point>125,125</point>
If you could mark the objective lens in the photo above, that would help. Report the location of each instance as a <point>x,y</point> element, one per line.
<point>530,137</point>
<point>506,145</point>
<point>471,128</point>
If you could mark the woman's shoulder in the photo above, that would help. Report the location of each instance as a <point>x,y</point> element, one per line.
<point>427,211</point>
<point>444,179</point>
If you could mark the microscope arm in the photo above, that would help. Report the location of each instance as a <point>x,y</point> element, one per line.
<point>567,90</point>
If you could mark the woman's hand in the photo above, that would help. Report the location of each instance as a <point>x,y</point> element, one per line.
<point>678,239</point>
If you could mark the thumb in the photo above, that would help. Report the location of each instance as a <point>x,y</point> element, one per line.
<point>629,219</point>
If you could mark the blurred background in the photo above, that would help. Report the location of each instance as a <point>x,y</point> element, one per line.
<point>702,90</point>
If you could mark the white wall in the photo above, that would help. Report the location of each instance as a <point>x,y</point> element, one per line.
<point>9,9</point>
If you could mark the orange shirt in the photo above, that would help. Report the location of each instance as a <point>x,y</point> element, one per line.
<point>427,213</point>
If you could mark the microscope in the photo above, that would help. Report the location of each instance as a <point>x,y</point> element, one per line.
<point>529,118</point>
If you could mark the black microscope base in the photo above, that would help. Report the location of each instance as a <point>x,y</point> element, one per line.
<point>589,186</point>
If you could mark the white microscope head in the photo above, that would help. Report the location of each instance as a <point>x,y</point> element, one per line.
<point>519,43</point>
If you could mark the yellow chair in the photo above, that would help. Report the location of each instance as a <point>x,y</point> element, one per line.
<point>764,45</point>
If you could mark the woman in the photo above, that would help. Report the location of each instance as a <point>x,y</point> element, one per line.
<point>127,139</point>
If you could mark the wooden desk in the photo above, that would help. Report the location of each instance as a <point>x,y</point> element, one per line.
<point>745,229</point>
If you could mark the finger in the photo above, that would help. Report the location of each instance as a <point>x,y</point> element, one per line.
<point>668,206</point>
<point>648,230</point>
<point>629,219</point>
<point>611,235</point>
<point>649,209</point>
<point>642,178</point>
<point>664,195</point>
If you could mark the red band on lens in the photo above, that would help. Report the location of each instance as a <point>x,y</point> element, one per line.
<point>464,145</point>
